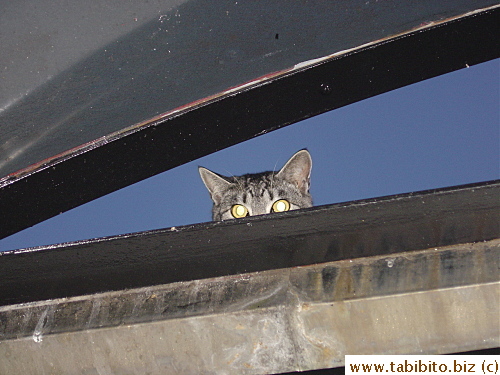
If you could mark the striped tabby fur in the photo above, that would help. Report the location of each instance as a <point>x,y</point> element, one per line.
<point>258,192</point>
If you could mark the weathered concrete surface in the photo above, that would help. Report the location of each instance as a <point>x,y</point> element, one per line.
<point>433,301</point>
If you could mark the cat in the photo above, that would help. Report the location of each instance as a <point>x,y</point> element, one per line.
<point>261,193</point>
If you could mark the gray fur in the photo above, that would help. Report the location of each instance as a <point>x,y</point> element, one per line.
<point>258,191</point>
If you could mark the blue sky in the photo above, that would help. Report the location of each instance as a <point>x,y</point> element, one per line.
<point>440,132</point>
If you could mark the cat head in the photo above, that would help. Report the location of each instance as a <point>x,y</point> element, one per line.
<point>261,193</point>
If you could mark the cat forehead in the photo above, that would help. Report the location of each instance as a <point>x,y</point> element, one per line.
<point>249,189</point>
<point>251,178</point>
<point>265,180</point>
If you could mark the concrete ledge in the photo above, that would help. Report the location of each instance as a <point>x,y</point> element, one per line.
<point>438,300</point>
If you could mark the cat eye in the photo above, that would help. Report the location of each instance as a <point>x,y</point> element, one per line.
<point>281,205</point>
<point>239,210</point>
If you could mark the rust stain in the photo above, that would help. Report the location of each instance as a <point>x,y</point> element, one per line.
<point>344,285</point>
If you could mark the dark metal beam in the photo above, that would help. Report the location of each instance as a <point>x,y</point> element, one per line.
<point>383,226</point>
<point>102,167</point>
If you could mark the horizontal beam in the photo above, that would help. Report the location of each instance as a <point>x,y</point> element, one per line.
<point>434,301</point>
<point>382,226</point>
<point>100,167</point>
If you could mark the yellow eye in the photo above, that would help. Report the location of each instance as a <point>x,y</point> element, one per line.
<point>239,210</point>
<point>281,205</point>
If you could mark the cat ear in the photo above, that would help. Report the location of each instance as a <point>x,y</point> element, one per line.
<point>297,170</point>
<point>215,184</point>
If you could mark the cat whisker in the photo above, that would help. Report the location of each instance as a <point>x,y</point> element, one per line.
<point>236,180</point>
<point>229,173</point>
<point>273,174</point>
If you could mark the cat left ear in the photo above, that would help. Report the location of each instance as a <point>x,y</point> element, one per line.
<point>215,184</point>
<point>297,170</point>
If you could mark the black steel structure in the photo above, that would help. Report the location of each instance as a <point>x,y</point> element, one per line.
<point>87,172</point>
<point>415,273</point>
<point>373,227</point>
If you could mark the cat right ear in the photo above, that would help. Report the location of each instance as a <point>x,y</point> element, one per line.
<point>215,184</point>
<point>297,170</point>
